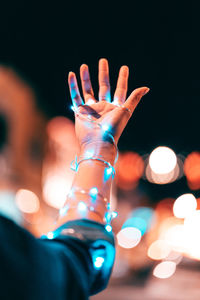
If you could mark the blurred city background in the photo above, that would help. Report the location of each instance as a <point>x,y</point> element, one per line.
<point>156,191</point>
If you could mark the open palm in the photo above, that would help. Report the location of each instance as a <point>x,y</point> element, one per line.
<point>94,117</point>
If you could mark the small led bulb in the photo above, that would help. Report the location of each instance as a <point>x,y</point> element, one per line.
<point>105,127</point>
<point>109,170</point>
<point>114,214</point>
<point>82,206</point>
<point>108,228</point>
<point>98,262</point>
<point>93,192</point>
<point>50,235</point>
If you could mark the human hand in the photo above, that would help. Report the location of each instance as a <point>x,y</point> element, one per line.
<point>112,116</point>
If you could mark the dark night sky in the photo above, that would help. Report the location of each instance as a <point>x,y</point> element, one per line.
<point>157,41</point>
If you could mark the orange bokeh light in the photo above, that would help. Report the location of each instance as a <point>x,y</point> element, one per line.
<point>192,170</point>
<point>130,168</point>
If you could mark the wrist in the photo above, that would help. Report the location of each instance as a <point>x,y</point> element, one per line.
<point>103,149</point>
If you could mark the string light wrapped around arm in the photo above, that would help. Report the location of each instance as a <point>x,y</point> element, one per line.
<point>96,204</point>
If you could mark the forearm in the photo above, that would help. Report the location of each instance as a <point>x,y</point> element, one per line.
<point>91,174</point>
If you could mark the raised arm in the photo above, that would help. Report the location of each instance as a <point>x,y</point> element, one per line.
<point>84,225</point>
<point>99,125</point>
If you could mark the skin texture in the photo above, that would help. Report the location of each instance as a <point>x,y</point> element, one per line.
<point>115,114</point>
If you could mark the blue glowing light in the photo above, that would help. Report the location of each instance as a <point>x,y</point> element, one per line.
<point>136,222</point>
<point>145,213</point>
<point>109,170</point>
<point>108,228</point>
<point>82,206</point>
<point>93,192</point>
<point>141,218</point>
<point>108,217</point>
<point>108,97</point>
<point>105,127</point>
<point>98,262</point>
<point>73,91</point>
<point>108,206</point>
<point>114,214</point>
<point>50,235</point>
<point>63,210</point>
<point>107,173</point>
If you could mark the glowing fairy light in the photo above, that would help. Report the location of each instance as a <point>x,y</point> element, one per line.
<point>108,228</point>
<point>105,127</point>
<point>164,269</point>
<point>109,171</point>
<point>82,207</point>
<point>73,108</point>
<point>129,237</point>
<point>98,262</point>
<point>162,160</point>
<point>50,235</point>
<point>184,205</point>
<point>114,214</point>
<point>108,217</point>
<point>93,192</point>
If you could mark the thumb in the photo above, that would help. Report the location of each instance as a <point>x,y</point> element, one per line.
<point>135,98</point>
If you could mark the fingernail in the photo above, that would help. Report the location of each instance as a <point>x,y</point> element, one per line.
<point>146,91</point>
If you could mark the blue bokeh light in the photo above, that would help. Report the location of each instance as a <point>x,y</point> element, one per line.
<point>141,218</point>
<point>136,222</point>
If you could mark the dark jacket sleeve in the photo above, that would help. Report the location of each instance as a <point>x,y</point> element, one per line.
<point>72,262</point>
